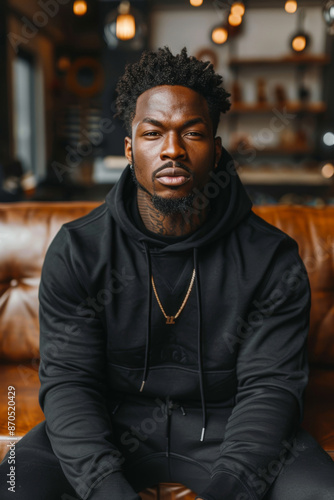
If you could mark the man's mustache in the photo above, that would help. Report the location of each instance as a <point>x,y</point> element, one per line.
<point>171,164</point>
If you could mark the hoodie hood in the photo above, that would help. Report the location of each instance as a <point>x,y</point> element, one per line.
<point>229,206</point>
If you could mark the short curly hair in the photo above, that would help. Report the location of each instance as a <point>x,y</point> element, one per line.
<point>163,68</point>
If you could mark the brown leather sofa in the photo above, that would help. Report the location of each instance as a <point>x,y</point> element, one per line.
<point>26,230</point>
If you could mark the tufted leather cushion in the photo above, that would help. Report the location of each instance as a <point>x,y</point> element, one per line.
<point>26,230</point>
<point>313,229</point>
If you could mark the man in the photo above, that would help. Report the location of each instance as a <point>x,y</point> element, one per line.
<point>173,322</point>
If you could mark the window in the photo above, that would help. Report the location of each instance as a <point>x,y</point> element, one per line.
<point>25,111</point>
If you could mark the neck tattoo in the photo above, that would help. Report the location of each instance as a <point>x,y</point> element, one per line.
<point>178,224</point>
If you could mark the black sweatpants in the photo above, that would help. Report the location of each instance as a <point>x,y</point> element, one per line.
<point>308,475</point>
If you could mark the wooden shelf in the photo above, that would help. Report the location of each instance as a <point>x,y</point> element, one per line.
<point>277,151</point>
<point>302,109</point>
<point>282,176</point>
<point>290,107</point>
<point>293,59</point>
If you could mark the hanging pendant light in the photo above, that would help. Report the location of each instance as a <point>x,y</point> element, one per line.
<point>300,40</point>
<point>124,26</point>
<point>125,22</point>
<point>230,26</point>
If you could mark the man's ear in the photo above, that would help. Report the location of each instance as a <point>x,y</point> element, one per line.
<point>128,149</point>
<point>218,150</point>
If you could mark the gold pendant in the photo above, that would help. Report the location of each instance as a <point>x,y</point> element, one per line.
<point>170,320</point>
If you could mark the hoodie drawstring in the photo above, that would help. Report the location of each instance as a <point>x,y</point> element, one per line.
<point>199,335</point>
<point>148,329</point>
<point>199,344</point>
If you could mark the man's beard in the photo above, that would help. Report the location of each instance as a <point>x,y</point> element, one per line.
<point>166,206</point>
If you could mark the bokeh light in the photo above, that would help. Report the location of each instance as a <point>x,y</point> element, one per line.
<point>299,43</point>
<point>238,9</point>
<point>219,35</point>
<point>291,6</point>
<point>63,63</point>
<point>328,170</point>
<point>328,139</point>
<point>80,7</point>
<point>234,19</point>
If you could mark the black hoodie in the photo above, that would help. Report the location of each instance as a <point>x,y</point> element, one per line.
<point>235,358</point>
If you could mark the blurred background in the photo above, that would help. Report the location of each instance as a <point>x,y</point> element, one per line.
<point>60,61</point>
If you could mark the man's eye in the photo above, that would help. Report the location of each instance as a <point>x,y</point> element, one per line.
<point>151,134</point>
<point>194,134</point>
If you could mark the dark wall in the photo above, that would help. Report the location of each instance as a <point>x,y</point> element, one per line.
<point>114,65</point>
<point>4,94</point>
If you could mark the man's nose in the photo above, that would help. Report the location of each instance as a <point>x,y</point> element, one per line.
<point>173,148</point>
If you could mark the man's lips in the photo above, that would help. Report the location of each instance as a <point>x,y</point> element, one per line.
<point>173,176</point>
<point>172,172</point>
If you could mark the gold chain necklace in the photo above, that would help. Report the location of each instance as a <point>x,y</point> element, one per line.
<point>170,319</point>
